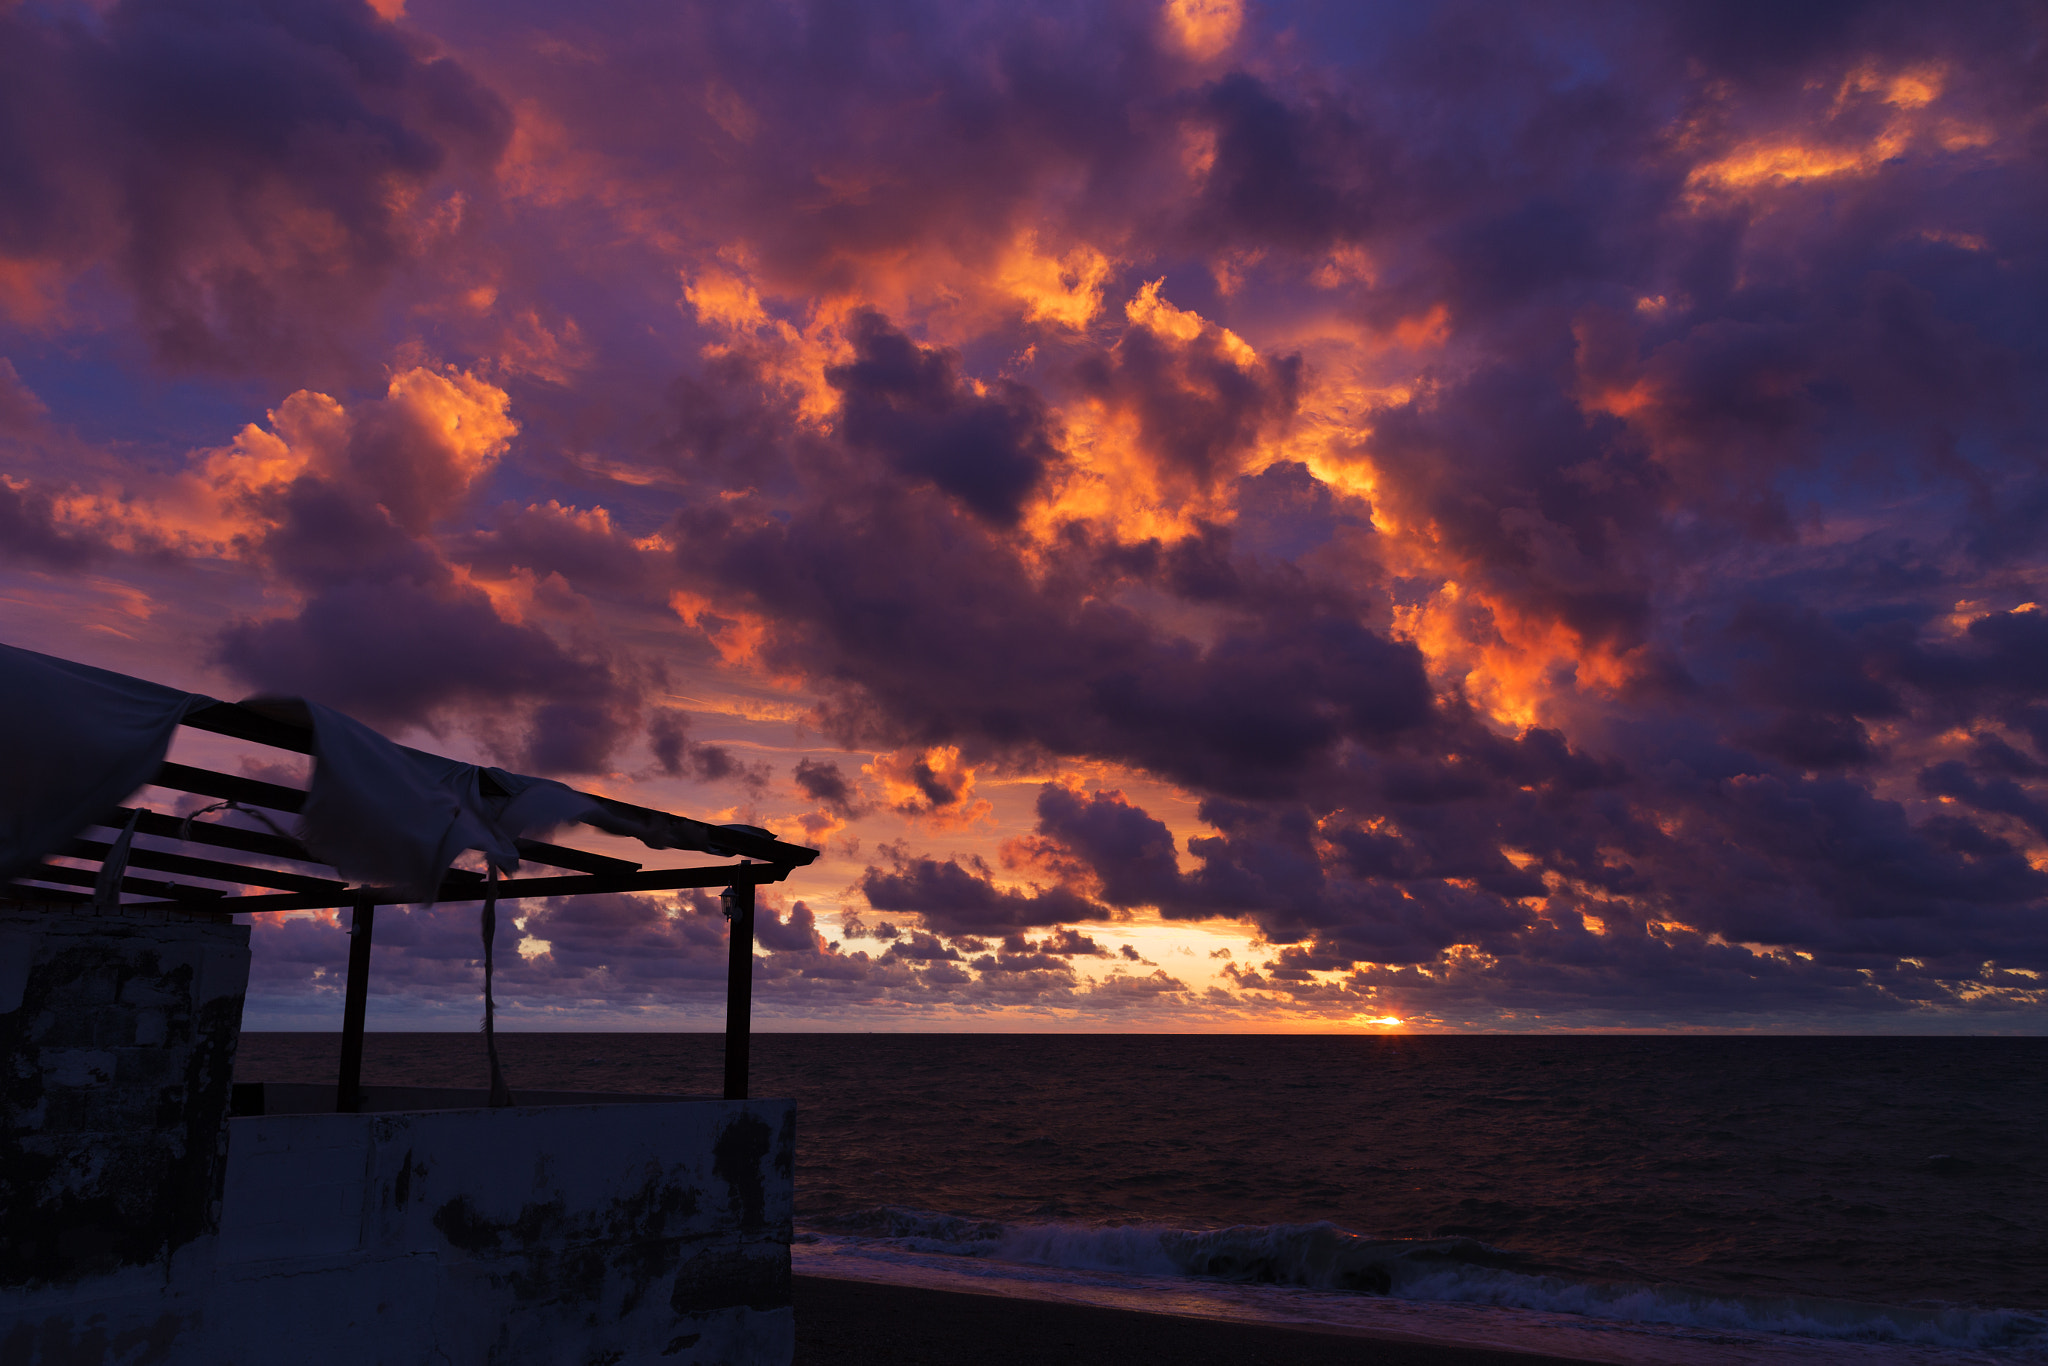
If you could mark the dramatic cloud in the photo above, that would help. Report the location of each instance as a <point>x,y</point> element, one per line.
<point>1482,516</point>
<point>254,173</point>
<point>341,505</point>
<point>964,901</point>
<point>907,404</point>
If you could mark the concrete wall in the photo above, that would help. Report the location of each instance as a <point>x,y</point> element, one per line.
<point>139,1224</point>
<point>535,1234</point>
<point>598,1234</point>
<point>117,1049</point>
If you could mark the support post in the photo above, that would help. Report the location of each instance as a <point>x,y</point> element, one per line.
<point>739,988</point>
<point>348,1089</point>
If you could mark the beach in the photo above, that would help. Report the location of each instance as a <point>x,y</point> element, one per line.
<point>860,1323</point>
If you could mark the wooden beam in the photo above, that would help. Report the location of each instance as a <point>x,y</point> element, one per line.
<point>663,830</point>
<point>513,889</point>
<point>739,990</point>
<point>355,1003</point>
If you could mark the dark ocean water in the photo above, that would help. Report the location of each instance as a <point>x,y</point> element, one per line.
<point>1881,1171</point>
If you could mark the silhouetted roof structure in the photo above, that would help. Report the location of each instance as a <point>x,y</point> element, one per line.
<point>285,875</point>
<point>119,726</point>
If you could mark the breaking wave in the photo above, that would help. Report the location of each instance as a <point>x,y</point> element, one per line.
<point>1321,1256</point>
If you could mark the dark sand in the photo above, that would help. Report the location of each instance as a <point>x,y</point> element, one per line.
<point>860,1323</point>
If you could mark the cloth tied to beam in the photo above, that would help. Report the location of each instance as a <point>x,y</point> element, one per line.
<point>394,817</point>
<point>74,742</point>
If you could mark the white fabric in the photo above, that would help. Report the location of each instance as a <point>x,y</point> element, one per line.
<point>106,890</point>
<point>75,741</point>
<point>389,816</point>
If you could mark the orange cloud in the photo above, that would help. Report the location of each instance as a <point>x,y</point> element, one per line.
<point>1202,29</point>
<point>736,634</point>
<point>1063,289</point>
<point>930,785</point>
<point>1875,117</point>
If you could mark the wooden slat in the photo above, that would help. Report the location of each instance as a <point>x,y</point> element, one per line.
<point>217,834</point>
<point>234,719</point>
<point>89,877</point>
<point>681,832</point>
<point>581,860</point>
<point>140,857</point>
<point>207,783</point>
<point>24,892</point>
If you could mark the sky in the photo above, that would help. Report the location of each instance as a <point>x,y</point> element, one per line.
<point>1212,516</point>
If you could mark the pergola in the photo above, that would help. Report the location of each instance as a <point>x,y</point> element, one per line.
<point>219,870</point>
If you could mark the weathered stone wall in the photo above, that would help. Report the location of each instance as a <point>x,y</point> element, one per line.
<point>117,1044</point>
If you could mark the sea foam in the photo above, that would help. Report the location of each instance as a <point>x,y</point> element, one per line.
<point>1323,1257</point>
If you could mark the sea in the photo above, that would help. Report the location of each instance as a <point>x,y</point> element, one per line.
<point>1628,1199</point>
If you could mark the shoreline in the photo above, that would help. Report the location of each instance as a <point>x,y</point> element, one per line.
<point>875,1323</point>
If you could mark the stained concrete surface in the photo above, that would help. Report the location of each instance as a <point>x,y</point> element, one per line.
<point>536,1234</point>
<point>144,1225</point>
